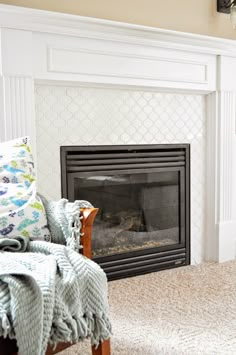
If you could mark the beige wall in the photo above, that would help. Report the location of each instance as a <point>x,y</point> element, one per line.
<point>196,16</point>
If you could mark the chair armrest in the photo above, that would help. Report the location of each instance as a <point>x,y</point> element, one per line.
<point>88,215</point>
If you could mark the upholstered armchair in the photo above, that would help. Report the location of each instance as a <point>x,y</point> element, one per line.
<point>9,346</point>
<point>50,296</point>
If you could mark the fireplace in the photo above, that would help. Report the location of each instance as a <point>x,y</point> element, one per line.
<point>143,196</point>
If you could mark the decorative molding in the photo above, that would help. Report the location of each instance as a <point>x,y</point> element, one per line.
<point>73,59</point>
<point>18,108</point>
<point>16,53</point>
<point>72,25</point>
<point>226,71</point>
<point>227,107</point>
<point>212,249</point>
<point>117,64</point>
<point>220,226</point>
<point>91,59</point>
<point>3,132</point>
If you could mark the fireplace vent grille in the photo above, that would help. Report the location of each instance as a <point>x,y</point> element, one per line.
<point>117,157</point>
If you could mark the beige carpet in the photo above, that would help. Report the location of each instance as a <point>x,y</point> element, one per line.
<point>189,310</point>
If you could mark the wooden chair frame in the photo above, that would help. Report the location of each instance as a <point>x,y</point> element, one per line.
<point>9,347</point>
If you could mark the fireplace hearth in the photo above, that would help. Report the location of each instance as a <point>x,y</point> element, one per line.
<point>143,196</point>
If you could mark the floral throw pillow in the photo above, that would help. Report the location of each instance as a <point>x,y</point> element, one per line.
<point>21,209</point>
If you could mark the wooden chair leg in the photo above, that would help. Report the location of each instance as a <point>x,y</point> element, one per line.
<point>104,348</point>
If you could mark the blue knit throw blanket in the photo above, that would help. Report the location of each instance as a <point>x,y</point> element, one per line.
<point>52,294</point>
<point>64,221</point>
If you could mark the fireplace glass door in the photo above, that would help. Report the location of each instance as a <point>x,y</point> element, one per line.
<point>143,196</point>
<point>136,210</point>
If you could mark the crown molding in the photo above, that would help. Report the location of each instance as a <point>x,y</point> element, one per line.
<point>42,21</point>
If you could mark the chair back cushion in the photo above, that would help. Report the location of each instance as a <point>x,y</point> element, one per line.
<point>21,210</point>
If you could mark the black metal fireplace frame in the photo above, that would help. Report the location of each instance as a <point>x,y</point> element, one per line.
<point>146,260</point>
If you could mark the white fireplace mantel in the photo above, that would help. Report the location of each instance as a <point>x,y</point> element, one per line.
<point>40,46</point>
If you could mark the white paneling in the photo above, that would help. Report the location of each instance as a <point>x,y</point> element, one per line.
<point>226,73</point>
<point>227,103</point>
<point>129,66</point>
<point>17,82</point>
<point>18,107</point>
<point>221,203</point>
<point>3,132</point>
<point>106,62</point>
<point>16,52</point>
<point>211,188</point>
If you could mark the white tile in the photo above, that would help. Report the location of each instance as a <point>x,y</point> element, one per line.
<point>97,116</point>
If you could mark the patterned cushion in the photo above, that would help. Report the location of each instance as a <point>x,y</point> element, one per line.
<point>16,162</point>
<point>21,210</point>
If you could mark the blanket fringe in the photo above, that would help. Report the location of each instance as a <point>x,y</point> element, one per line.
<point>60,332</point>
<point>101,329</point>
<point>96,327</point>
<point>5,327</point>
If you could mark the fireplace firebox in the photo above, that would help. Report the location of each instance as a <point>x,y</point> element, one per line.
<point>143,196</point>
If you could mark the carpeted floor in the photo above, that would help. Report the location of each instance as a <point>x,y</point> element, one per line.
<point>189,310</point>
